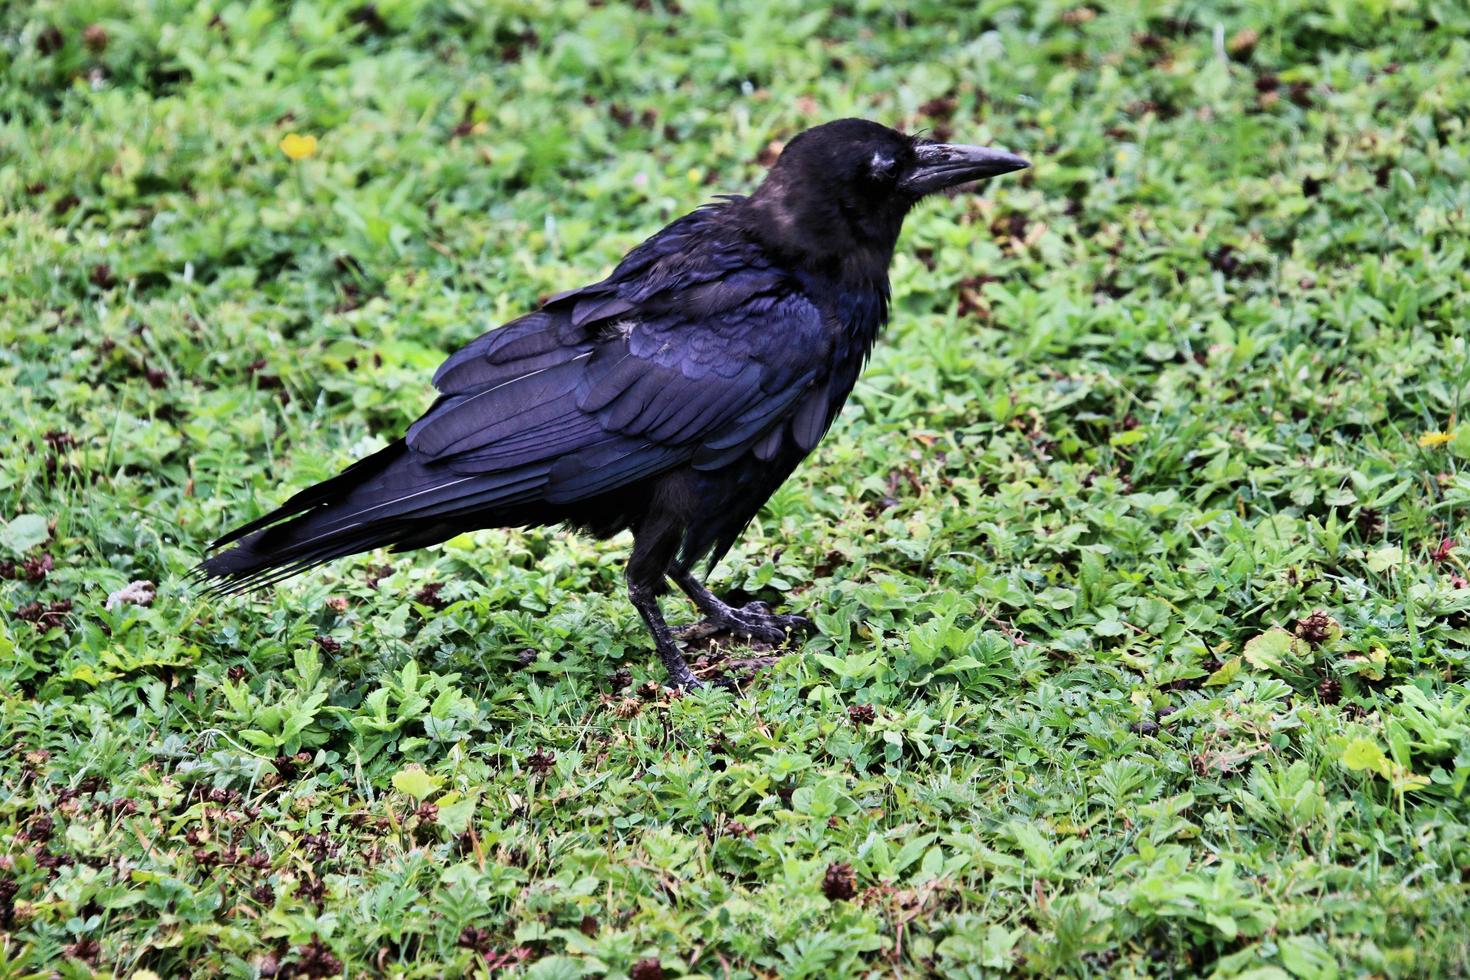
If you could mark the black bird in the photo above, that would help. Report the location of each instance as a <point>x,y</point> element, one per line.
<point>670,399</point>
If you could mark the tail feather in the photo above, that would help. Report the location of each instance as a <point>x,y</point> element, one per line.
<point>374,503</point>
<point>393,498</point>
<point>268,556</point>
<point>322,493</point>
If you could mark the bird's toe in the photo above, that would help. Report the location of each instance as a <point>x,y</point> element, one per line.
<point>758,622</point>
<point>685,682</point>
<point>753,621</point>
<point>798,624</point>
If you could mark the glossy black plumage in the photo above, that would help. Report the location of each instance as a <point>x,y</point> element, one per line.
<point>671,398</point>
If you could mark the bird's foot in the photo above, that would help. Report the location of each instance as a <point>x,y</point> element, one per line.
<point>680,676</point>
<point>754,621</point>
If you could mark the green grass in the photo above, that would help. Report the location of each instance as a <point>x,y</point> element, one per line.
<point>1197,375</point>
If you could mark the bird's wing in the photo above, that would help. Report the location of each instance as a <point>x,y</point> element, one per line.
<point>674,365</point>
<point>693,352</point>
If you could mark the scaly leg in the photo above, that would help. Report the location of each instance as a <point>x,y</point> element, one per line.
<point>663,638</point>
<point>645,573</point>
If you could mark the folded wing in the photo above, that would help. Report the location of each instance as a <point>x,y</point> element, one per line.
<point>694,352</point>
<point>599,391</point>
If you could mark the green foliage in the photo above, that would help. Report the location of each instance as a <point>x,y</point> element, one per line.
<point>1141,413</point>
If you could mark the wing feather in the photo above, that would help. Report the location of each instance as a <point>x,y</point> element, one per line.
<point>812,416</point>
<point>682,357</point>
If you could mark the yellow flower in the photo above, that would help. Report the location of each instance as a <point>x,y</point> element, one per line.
<point>298,147</point>
<point>1431,439</point>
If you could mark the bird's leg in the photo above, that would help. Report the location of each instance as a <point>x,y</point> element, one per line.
<point>645,600</point>
<point>754,619</point>
<point>653,547</point>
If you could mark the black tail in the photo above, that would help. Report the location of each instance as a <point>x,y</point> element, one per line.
<point>322,526</point>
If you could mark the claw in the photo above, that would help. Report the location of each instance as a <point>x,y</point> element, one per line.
<point>685,680</point>
<point>753,620</point>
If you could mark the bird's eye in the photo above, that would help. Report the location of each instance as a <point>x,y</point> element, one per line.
<point>882,168</point>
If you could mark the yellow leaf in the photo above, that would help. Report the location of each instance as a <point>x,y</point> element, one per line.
<point>1269,649</point>
<point>1127,437</point>
<point>298,147</point>
<point>87,675</point>
<point>414,782</point>
<point>1385,558</point>
<point>1362,753</point>
<point>1225,674</point>
<point>1406,780</point>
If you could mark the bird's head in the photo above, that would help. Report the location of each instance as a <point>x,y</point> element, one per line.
<point>839,192</point>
